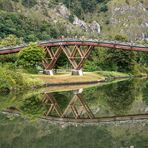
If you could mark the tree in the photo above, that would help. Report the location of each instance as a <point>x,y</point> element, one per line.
<point>123,61</point>
<point>104,8</point>
<point>31,56</point>
<point>11,40</point>
<point>88,6</point>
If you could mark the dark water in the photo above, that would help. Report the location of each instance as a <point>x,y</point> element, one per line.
<point>112,115</point>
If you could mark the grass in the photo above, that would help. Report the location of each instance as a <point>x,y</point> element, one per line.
<point>67,78</point>
<point>112,74</point>
<point>31,81</point>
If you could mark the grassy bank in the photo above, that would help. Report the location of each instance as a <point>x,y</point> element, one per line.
<point>113,74</point>
<point>87,77</point>
<point>68,78</point>
<point>16,81</point>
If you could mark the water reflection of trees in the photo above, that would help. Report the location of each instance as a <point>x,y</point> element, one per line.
<point>116,98</point>
<point>119,96</point>
<point>32,107</point>
<point>145,94</point>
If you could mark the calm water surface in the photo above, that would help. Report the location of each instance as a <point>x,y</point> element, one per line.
<point>111,115</point>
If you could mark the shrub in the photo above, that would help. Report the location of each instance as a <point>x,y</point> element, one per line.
<point>104,8</point>
<point>30,57</point>
<point>71,18</point>
<point>6,80</point>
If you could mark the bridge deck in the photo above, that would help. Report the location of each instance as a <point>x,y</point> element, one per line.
<point>73,42</point>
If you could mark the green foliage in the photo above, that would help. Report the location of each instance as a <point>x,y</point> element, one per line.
<point>29,3</point>
<point>31,56</point>
<point>91,66</point>
<point>139,69</point>
<point>16,80</point>
<point>81,7</point>
<point>88,6</point>
<point>11,58</point>
<point>96,61</point>
<point>29,28</point>
<point>112,74</point>
<point>10,80</point>
<point>123,60</point>
<point>62,61</point>
<point>71,18</point>
<point>119,37</point>
<point>104,8</point>
<point>11,40</point>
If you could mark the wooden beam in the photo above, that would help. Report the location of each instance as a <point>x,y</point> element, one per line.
<point>52,56</point>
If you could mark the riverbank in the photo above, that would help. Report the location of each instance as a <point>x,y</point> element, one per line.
<point>87,78</point>
<point>15,81</point>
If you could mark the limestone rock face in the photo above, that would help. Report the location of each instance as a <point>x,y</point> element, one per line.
<point>130,19</point>
<point>80,23</point>
<point>63,11</point>
<point>93,27</point>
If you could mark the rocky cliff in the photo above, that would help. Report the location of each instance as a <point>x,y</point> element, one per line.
<point>109,18</point>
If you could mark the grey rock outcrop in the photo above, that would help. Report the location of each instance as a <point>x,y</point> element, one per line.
<point>93,27</point>
<point>63,11</point>
<point>80,23</point>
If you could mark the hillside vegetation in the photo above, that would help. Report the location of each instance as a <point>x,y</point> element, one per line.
<point>43,19</point>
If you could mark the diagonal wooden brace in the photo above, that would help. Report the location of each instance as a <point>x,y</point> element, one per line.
<point>53,57</point>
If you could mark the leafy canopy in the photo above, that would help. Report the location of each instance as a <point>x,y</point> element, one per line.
<point>31,56</point>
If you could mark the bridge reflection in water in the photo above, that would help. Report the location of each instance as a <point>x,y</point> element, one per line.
<point>77,107</point>
<point>78,110</point>
<point>74,108</point>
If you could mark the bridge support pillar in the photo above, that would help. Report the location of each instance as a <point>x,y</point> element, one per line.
<point>77,72</point>
<point>49,72</point>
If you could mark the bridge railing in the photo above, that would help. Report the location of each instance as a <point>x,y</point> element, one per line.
<point>76,40</point>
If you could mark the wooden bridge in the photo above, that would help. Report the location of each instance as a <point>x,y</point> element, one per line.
<point>77,51</point>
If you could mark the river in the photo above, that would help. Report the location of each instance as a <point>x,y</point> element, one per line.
<point>108,115</point>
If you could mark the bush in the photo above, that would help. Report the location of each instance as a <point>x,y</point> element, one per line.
<point>31,57</point>
<point>6,80</point>
<point>71,18</point>
<point>104,8</point>
<point>14,80</point>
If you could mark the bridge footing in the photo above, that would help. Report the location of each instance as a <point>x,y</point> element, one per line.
<point>49,72</point>
<point>77,72</point>
<point>78,91</point>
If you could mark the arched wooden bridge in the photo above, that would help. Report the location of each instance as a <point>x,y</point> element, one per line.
<point>77,51</point>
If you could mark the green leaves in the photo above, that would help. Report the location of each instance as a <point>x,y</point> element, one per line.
<point>31,56</point>
<point>10,80</point>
